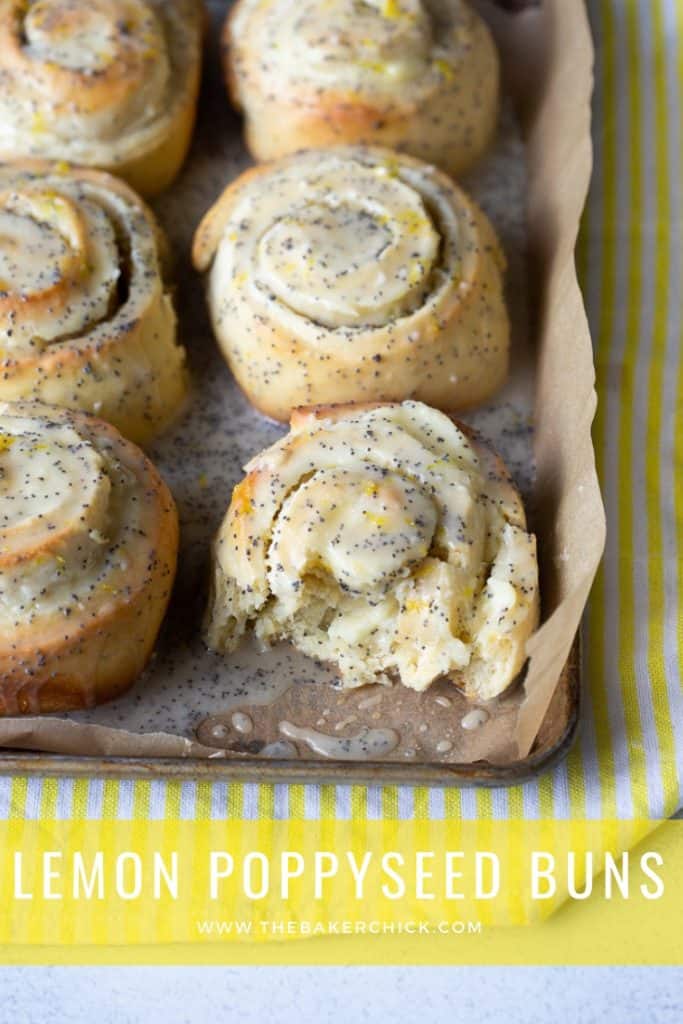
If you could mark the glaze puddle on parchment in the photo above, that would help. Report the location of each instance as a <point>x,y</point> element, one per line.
<point>367,745</point>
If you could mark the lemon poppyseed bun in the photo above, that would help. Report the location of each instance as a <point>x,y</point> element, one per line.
<point>388,541</point>
<point>354,274</point>
<point>88,545</point>
<point>417,75</point>
<point>103,83</point>
<point>86,320</point>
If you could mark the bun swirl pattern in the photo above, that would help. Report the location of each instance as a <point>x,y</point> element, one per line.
<point>86,320</point>
<point>88,543</point>
<point>354,275</point>
<point>385,540</point>
<point>104,83</point>
<point>421,76</point>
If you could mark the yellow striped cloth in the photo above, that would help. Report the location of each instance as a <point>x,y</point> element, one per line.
<point>629,757</point>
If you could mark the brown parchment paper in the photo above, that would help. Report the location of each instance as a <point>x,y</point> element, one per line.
<point>547,60</point>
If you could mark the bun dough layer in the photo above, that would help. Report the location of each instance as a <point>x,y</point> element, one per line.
<point>86,320</point>
<point>88,544</point>
<point>104,83</point>
<point>354,274</point>
<point>417,75</point>
<point>387,541</point>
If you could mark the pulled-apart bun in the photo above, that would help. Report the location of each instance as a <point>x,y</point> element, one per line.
<point>387,541</point>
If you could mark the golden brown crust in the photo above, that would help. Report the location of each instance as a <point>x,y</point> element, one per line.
<point>106,83</point>
<point>88,636</point>
<point>101,335</point>
<point>398,74</point>
<point>152,172</point>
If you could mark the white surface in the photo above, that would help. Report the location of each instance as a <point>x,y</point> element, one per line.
<point>339,995</point>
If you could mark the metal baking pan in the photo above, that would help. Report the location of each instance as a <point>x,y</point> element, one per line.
<point>202,460</point>
<point>554,742</point>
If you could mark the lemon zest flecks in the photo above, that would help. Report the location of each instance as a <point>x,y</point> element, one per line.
<point>38,122</point>
<point>413,221</point>
<point>444,69</point>
<point>241,501</point>
<point>377,66</point>
<point>415,273</point>
<point>387,169</point>
<point>391,9</point>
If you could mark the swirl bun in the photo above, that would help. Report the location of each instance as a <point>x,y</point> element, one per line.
<point>354,275</point>
<point>416,75</point>
<point>104,83</point>
<point>88,544</point>
<point>85,318</point>
<point>385,540</point>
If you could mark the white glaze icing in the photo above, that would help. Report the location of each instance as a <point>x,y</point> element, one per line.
<point>367,745</point>
<point>386,542</point>
<point>475,718</point>
<point>242,722</point>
